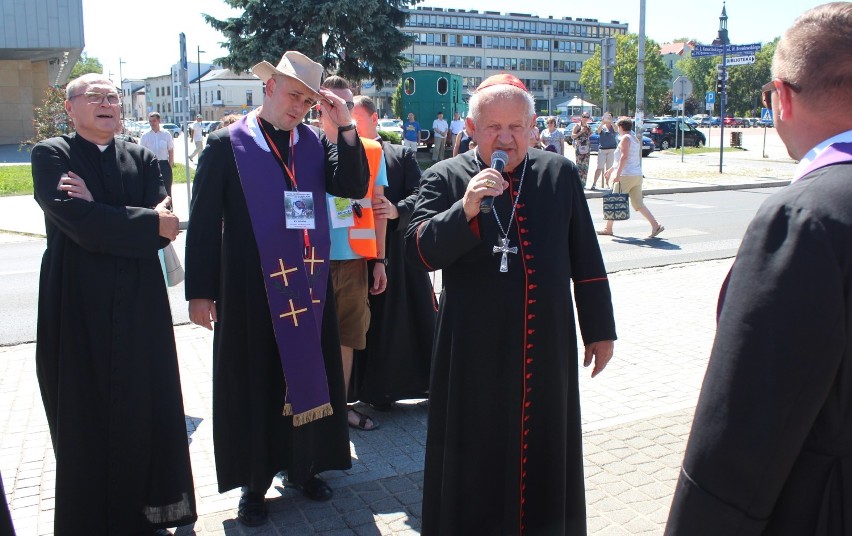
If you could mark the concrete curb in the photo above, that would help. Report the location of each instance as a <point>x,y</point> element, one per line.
<point>704,188</point>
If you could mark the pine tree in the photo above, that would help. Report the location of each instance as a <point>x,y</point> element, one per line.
<point>362,42</point>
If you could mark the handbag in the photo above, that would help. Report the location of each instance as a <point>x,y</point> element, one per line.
<point>616,206</point>
<point>171,265</point>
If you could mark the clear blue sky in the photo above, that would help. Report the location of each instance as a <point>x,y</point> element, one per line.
<point>145,35</point>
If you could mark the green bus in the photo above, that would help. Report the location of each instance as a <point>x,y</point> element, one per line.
<point>425,93</point>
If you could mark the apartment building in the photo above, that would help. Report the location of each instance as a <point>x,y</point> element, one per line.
<point>547,53</point>
<point>224,92</point>
<point>158,97</point>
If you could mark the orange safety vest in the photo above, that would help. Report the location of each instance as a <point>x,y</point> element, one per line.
<point>362,235</point>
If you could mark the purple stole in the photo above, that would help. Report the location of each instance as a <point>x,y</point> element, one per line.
<point>296,277</point>
<point>833,154</point>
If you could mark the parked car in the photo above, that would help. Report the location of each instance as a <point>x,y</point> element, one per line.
<point>668,133</point>
<point>595,142</point>
<point>171,127</point>
<point>391,125</point>
<point>209,126</point>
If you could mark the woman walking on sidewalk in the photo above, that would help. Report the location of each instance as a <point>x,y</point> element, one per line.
<point>628,175</point>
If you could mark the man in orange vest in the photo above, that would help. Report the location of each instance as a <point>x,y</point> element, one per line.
<point>356,238</point>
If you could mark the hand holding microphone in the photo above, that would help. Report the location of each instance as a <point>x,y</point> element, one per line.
<point>498,162</point>
<point>486,184</point>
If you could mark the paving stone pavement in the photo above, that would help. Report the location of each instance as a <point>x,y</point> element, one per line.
<point>636,418</point>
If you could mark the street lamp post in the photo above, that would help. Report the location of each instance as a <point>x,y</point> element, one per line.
<point>199,78</point>
<point>121,81</point>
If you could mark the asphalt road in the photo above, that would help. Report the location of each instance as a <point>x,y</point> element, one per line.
<point>699,226</point>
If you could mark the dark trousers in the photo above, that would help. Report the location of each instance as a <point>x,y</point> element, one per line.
<point>166,172</point>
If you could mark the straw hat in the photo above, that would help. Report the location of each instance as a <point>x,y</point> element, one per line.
<point>294,65</point>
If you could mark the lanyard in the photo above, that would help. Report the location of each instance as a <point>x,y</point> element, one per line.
<point>291,169</point>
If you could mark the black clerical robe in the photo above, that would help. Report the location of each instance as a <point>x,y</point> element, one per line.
<point>395,364</point>
<point>105,351</point>
<point>504,446</point>
<point>770,451</point>
<point>253,440</point>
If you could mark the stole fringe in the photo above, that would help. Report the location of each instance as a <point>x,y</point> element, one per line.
<point>308,416</point>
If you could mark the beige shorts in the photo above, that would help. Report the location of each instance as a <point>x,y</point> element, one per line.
<point>632,185</point>
<point>606,157</point>
<point>349,279</point>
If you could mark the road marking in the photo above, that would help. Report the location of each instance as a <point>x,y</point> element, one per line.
<point>22,272</point>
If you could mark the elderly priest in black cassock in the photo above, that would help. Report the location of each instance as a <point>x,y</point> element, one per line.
<point>105,352</point>
<point>504,446</point>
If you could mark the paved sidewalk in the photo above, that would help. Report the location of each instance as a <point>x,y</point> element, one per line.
<point>636,418</point>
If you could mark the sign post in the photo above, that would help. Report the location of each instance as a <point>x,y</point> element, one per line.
<point>683,87</point>
<point>765,115</point>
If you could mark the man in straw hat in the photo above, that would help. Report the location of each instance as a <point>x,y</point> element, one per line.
<point>263,279</point>
<point>504,446</point>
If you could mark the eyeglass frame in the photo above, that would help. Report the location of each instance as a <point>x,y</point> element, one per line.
<point>770,87</point>
<point>349,106</point>
<point>103,96</point>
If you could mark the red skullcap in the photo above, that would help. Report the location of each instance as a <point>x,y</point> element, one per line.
<point>500,79</point>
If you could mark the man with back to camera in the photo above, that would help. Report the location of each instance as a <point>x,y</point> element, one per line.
<point>162,144</point>
<point>769,450</point>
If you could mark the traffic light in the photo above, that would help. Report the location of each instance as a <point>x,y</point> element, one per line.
<point>719,85</point>
<point>610,78</point>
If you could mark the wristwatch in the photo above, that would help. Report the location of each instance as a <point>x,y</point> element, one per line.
<point>347,128</point>
<point>383,261</point>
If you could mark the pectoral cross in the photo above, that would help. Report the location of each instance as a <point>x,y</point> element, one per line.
<point>505,249</point>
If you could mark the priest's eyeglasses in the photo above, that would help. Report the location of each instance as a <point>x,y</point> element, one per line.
<point>96,97</point>
<point>770,87</point>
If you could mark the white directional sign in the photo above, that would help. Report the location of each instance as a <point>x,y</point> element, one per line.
<point>740,60</point>
<point>716,50</point>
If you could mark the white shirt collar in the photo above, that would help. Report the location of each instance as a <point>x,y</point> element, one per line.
<point>257,135</point>
<point>810,156</point>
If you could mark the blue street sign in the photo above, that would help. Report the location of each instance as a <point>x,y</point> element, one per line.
<point>701,51</point>
<point>765,114</point>
<point>676,99</point>
<point>710,97</point>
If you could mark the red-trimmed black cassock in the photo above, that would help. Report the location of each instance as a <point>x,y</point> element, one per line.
<point>504,446</point>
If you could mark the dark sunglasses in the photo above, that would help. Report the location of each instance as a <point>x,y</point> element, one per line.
<point>769,88</point>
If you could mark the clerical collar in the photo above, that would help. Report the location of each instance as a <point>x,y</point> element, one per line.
<point>278,135</point>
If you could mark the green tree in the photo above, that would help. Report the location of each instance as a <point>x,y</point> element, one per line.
<point>363,40</point>
<point>85,65</point>
<point>624,90</point>
<point>50,119</point>
<point>701,72</point>
<point>396,102</point>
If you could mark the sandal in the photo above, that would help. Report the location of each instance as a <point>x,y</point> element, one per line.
<point>604,232</point>
<point>362,421</point>
<point>656,231</point>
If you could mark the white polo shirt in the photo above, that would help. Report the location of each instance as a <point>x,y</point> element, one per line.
<point>160,143</point>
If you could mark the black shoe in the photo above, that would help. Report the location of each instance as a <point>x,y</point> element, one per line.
<point>252,510</point>
<point>385,406</point>
<point>316,490</point>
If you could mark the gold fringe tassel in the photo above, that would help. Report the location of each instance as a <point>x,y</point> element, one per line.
<point>308,416</point>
